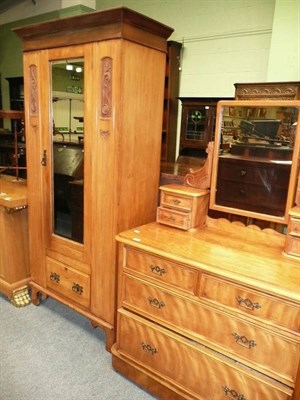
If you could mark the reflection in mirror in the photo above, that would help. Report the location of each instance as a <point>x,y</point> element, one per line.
<point>68,148</point>
<point>257,154</point>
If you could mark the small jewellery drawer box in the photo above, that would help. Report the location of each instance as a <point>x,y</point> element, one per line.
<point>182,207</point>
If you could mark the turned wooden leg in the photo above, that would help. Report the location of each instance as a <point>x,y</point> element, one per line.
<point>35,296</point>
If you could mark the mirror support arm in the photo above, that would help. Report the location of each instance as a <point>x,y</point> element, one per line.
<point>201,178</point>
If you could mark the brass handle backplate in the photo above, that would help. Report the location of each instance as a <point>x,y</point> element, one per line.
<point>243,341</point>
<point>147,347</point>
<point>12,210</point>
<point>156,269</point>
<point>54,277</point>
<point>156,303</point>
<point>232,394</point>
<point>247,303</point>
<point>176,201</point>
<point>77,288</point>
<point>171,218</point>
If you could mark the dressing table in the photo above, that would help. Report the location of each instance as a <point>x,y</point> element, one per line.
<point>213,312</point>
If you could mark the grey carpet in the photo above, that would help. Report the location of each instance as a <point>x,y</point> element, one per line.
<point>50,352</point>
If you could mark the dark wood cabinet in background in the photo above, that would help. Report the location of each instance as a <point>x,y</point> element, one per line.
<point>13,154</point>
<point>170,115</point>
<point>16,93</point>
<point>197,124</point>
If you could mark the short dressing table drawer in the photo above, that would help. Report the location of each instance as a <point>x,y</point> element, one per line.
<point>292,244</point>
<point>250,302</point>
<point>294,227</point>
<point>191,366</point>
<point>161,270</point>
<point>68,282</point>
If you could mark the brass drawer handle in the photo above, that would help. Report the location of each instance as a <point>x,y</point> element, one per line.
<point>157,270</point>
<point>77,288</point>
<point>247,303</point>
<point>233,394</point>
<point>54,277</point>
<point>176,201</point>
<point>168,218</point>
<point>243,172</point>
<point>151,350</point>
<point>171,218</point>
<point>243,341</point>
<point>156,303</point>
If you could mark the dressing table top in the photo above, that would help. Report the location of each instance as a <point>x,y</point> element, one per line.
<point>248,256</point>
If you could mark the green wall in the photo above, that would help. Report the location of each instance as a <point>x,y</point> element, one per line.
<point>11,46</point>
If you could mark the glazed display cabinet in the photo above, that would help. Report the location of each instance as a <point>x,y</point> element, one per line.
<point>198,119</point>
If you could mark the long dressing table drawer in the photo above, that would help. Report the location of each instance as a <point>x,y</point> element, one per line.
<point>250,302</point>
<point>191,366</point>
<point>162,270</point>
<point>68,282</point>
<point>237,338</point>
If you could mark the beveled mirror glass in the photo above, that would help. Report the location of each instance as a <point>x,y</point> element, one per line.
<point>256,158</point>
<point>68,148</point>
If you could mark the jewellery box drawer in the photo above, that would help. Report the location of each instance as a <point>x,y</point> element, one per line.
<point>70,283</point>
<point>183,203</point>
<point>292,245</point>
<point>174,218</point>
<point>162,270</point>
<point>190,365</point>
<point>250,302</point>
<point>237,338</point>
<point>294,227</point>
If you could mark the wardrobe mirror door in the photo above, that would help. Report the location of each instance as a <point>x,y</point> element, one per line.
<point>68,148</point>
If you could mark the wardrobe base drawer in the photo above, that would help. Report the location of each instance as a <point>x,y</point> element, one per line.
<point>68,282</point>
<point>189,365</point>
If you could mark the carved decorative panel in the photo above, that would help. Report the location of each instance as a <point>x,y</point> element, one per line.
<point>33,91</point>
<point>270,91</point>
<point>106,87</point>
